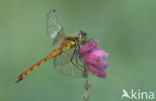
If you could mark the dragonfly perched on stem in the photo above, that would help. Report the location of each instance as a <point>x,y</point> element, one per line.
<point>66,55</point>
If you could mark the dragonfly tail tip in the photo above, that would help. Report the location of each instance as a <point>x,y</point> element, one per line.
<point>18,79</point>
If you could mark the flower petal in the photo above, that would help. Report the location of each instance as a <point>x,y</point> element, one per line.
<point>104,65</point>
<point>95,58</point>
<point>101,53</point>
<point>92,59</point>
<point>89,47</point>
<point>92,69</point>
<point>97,72</point>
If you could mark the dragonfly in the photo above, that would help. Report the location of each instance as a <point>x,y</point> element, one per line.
<point>66,58</point>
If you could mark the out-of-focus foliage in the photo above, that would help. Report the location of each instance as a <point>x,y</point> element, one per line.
<point>124,28</point>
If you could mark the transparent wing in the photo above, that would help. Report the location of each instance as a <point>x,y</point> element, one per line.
<point>55,31</point>
<point>64,65</point>
<point>52,23</point>
<point>60,36</point>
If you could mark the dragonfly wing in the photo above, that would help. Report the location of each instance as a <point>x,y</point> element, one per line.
<point>60,36</point>
<point>55,31</point>
<point>64,65</point>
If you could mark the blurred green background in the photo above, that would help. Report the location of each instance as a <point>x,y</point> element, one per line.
<point>126,29</point>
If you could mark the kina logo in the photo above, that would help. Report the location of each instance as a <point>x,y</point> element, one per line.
<point>137,94</point>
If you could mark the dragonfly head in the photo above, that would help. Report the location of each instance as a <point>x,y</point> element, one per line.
<point>82,37</point>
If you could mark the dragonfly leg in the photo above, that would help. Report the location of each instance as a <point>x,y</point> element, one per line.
<point>76,65</point>
<point>73,54</point>
<point>82,68</point>
<point>78,56</point>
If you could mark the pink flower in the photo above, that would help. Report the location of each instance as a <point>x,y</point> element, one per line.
<point>95,58</point>
<point>89,47</point>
